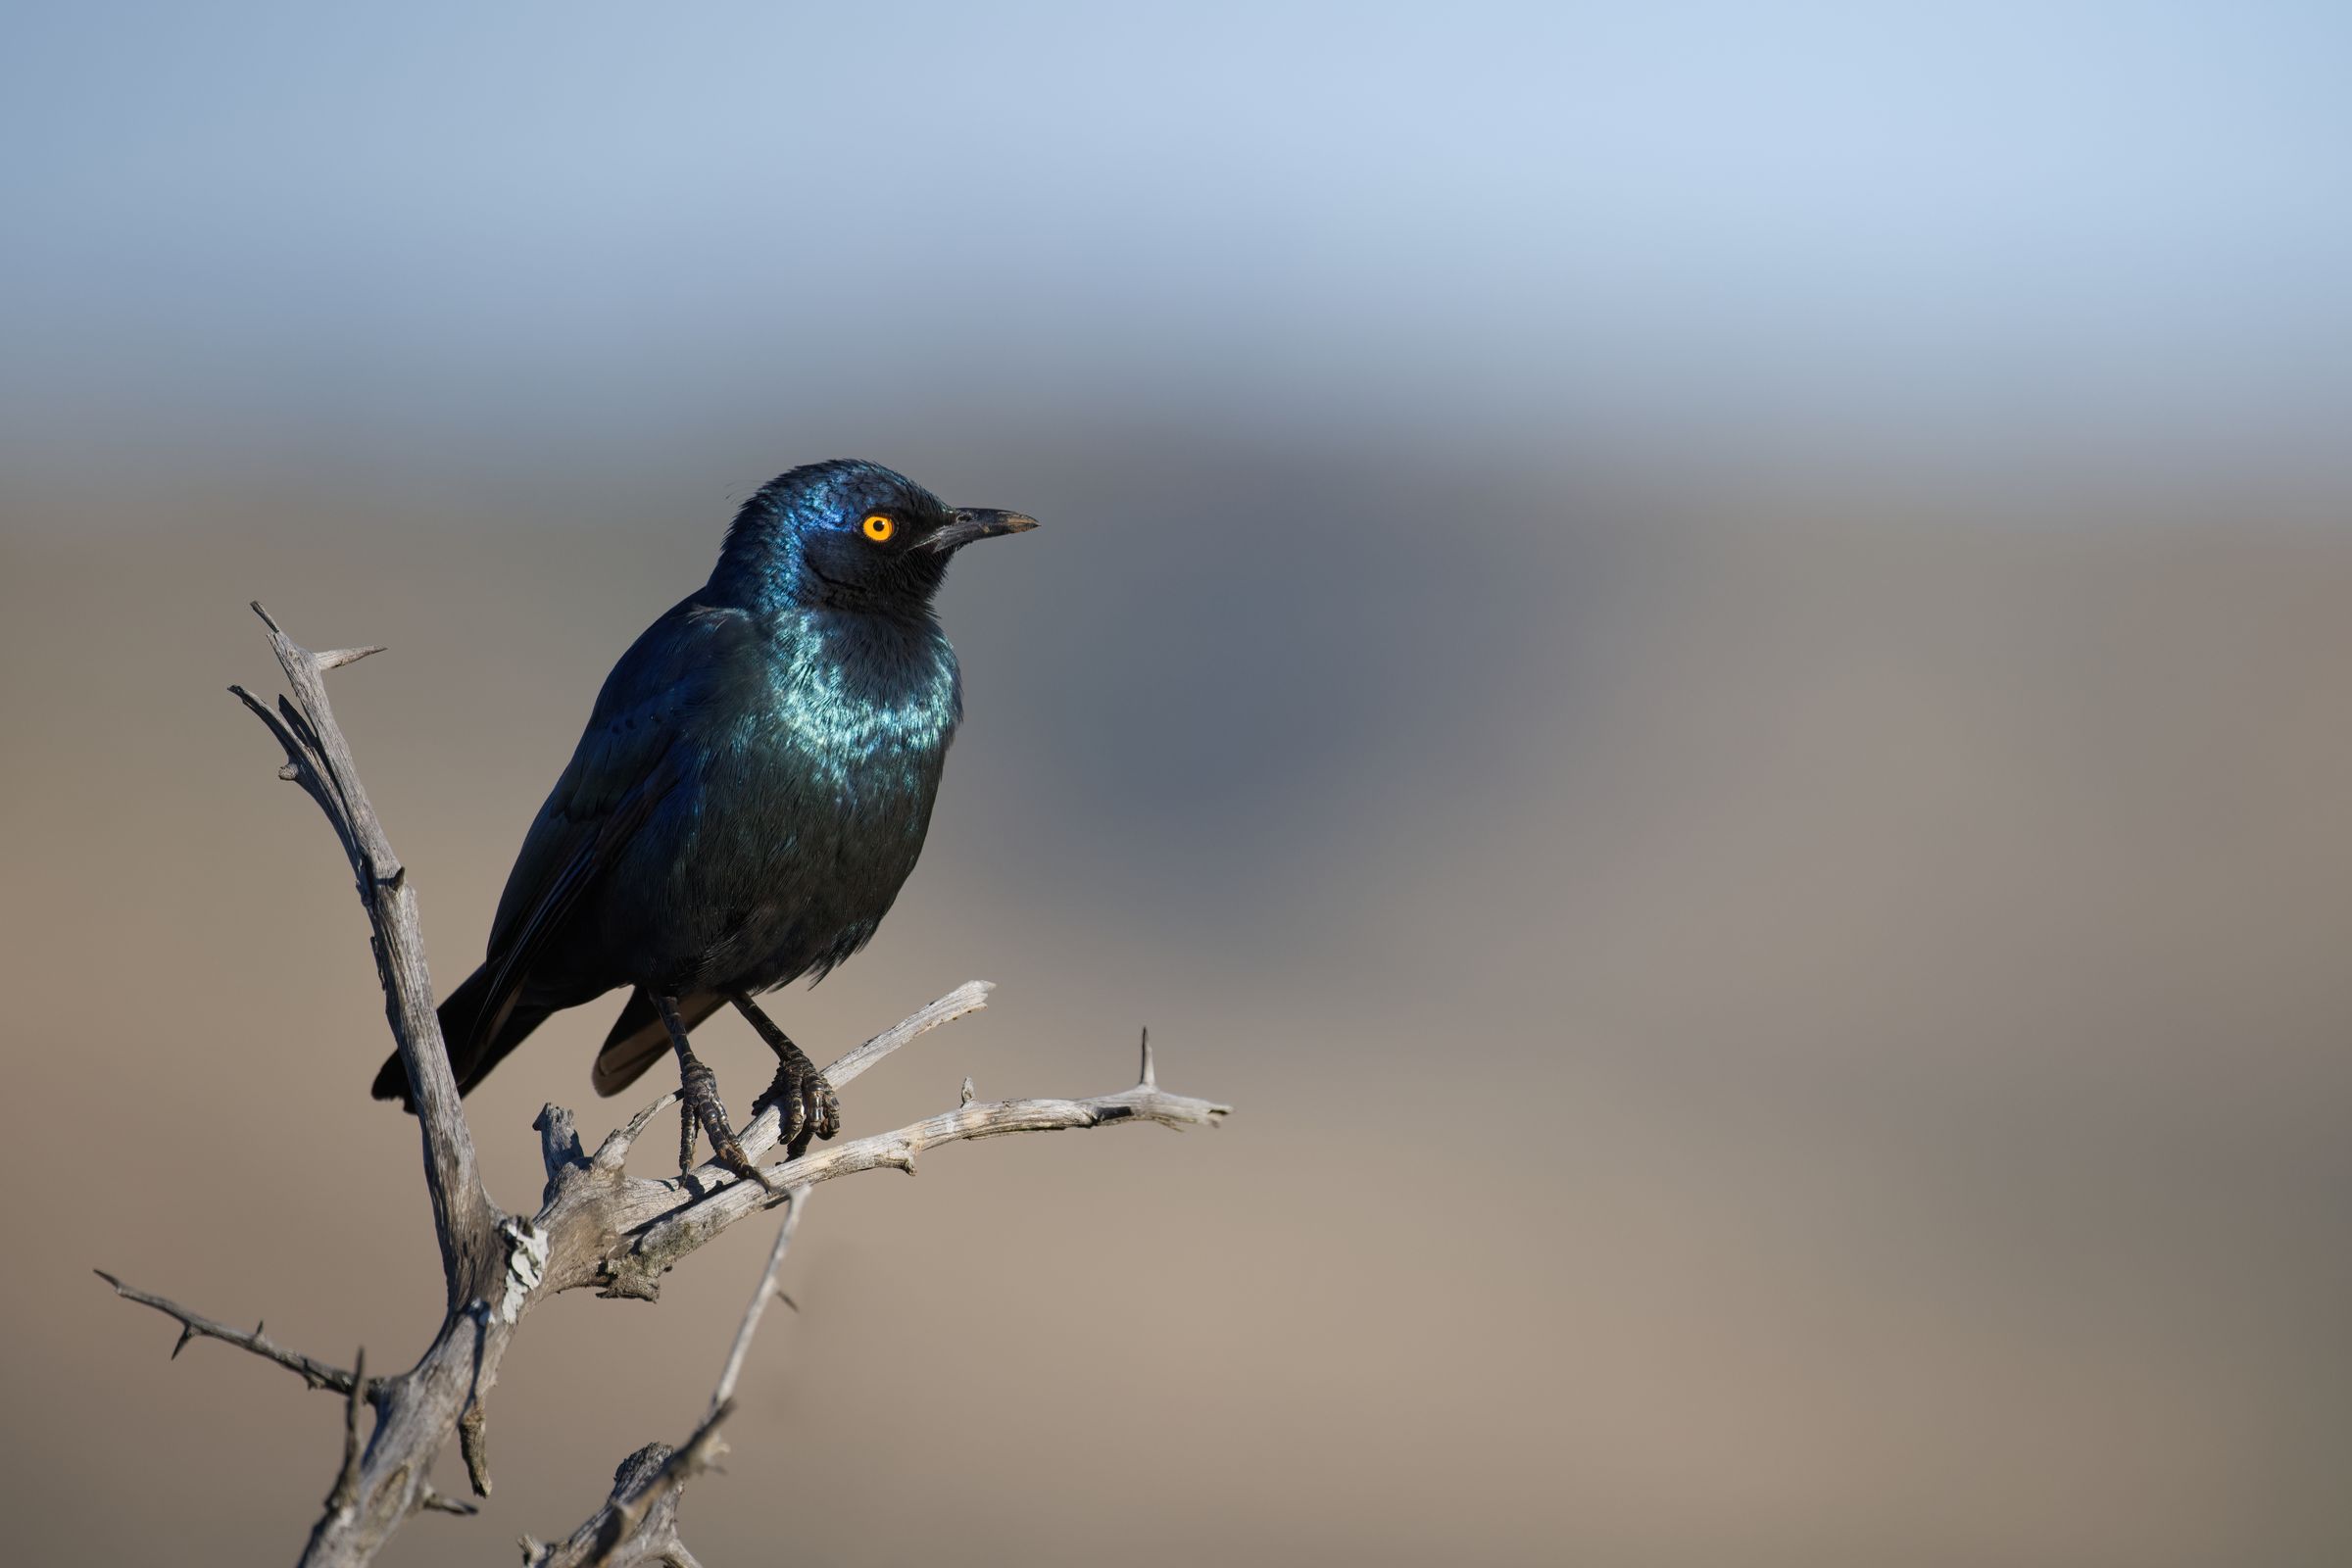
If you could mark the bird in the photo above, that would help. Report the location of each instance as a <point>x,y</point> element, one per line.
<point>753,789</point>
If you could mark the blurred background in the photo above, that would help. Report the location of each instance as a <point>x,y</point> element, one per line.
<point>1698,653</point>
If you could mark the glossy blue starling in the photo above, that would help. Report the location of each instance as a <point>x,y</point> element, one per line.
<point>752,790</point>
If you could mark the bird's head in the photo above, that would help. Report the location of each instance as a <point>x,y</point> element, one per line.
<point>849,536</point>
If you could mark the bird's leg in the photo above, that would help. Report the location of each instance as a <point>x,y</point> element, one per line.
<point>807,1104</point>
<point>697,1088</point>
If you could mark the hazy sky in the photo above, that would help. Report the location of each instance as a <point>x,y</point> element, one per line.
<point>495,235</point>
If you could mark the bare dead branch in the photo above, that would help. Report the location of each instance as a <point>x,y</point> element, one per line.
<point>657,1530</point>
<point>347,1482</point>
<point>483,1253</point>
<point>313,1371</point>
<point>655,1229</point>
<point>796,1206</point>
<point>464,1217</point>
<point>638,1523</point>
<point>596,1224</point>
<point>430,1501</point>
<point>969,997</point>
<point>762,1135</point>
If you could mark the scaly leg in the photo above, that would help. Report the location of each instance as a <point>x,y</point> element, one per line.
<point>810,1107</point>
<point>697,1088</point>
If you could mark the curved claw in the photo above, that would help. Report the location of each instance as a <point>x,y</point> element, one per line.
<point>805,1103</point>
<point>698,1091</point>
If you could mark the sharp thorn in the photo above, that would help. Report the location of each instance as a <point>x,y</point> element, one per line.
<point>1151,1077</point>
<point>788,1300</point>
<point>187,1332</point>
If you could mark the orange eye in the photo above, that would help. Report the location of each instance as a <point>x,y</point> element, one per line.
<point>878,528</point>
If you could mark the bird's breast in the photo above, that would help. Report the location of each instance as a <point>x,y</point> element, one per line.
<point>808,820</point>
<point>862,712</point>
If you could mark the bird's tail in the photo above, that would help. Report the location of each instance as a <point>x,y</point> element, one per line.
<point>639,1038</point>
<point>472,1049</point>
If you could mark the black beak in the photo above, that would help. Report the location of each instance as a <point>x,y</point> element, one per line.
<point>967,524</point>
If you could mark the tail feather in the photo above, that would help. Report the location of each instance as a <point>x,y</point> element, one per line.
<point>476,1044</point>
<point>639,1040</point>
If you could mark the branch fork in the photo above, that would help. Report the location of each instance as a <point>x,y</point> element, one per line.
<point>596,1226</point>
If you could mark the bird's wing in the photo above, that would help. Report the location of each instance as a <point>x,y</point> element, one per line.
<point>627,761</point>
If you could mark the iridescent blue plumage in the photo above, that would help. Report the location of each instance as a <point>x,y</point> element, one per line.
<point>753,785</point>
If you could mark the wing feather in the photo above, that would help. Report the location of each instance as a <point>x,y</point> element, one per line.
<point>628,760</point>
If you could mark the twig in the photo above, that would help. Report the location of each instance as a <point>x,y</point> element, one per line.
<point>321,759</point>
<point>795,1206</point>
<point>347,1482</point>
<point>651,1497</point>
<point>661,1229</point>
<point>969,997</point>
<point>342,1503</point>
<point>313,1371</point>
<point>430,1501</point>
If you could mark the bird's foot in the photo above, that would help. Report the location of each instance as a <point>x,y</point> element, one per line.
<point>803,1098</point>
<point>805,1101</point>
<point>701,1106</point>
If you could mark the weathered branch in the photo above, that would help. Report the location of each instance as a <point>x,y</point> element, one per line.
<point>316,1373</point>
<point>653,1229</point>
<point>347,1480</point>
<point>639,1521</point>
<point>658,1529</point>
<point>319,760</point>
<point>596,1224</point>
<point>430,1501</point>
<point>757,1307</point>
